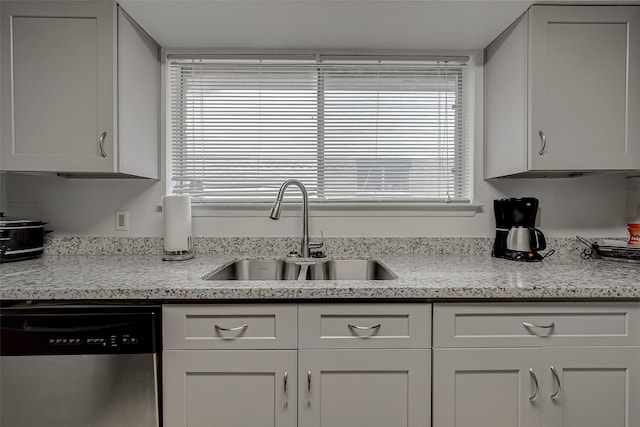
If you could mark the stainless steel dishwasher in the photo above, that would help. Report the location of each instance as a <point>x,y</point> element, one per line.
<point>79,366</point>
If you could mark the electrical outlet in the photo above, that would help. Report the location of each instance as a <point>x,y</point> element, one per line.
<point>122,220</point>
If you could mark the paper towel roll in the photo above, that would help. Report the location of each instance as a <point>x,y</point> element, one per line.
<point>177,223</point>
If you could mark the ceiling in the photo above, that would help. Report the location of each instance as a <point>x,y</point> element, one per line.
<point>408,25</point>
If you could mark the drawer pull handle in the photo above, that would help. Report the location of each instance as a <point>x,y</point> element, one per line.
<point>555,395</point>
<point>532,325</point>
<point>286,378</point>
<point>535,383</point>
<point>364,328</point>
<point>309,388</point>
<point>239,328</point>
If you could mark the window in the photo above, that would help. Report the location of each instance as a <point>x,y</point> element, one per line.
<point>350,128</point>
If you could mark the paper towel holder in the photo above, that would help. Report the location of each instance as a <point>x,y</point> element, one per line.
<point>179,255</point>
<point>178,241</point>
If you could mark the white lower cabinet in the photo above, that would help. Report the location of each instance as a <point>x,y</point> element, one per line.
<point>364,388</point>
<point>227,388</point>
<point>370,365</point>
<point>229,365</point>
<point>356,365</point>
<point>551,365</point>
<point>364,365</point>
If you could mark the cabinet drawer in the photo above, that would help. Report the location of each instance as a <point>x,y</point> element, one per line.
<point>536,324</point>
<point>365,325</point>
<point>230,326</point>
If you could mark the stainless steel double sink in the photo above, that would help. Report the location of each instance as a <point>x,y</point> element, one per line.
<point>286,269</point>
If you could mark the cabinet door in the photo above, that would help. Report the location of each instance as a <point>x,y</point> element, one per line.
<point>58,86</point>
<point>229,388</point>
<point>486,387</point>
<point>138,100</point>
<point>364,388</point>
<point>594,387</point>
<point>584,88</point>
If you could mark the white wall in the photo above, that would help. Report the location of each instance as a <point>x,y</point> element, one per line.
<point>590,206</point>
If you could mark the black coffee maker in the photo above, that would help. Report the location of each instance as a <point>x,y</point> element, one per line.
<point>516,236</point>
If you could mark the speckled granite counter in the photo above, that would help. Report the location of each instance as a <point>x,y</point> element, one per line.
<point>419,277</point>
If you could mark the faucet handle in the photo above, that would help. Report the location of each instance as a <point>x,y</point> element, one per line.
<point>316,245</point>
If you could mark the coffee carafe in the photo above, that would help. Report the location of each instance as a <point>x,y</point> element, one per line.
<point>516,235</point>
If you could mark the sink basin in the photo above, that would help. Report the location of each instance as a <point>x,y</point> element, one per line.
<point>255,269</point>
<point>350,269</point>
<point>281,269</point>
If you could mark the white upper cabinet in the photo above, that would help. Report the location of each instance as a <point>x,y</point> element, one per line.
<point>563,92</point>
<point>80,90</point>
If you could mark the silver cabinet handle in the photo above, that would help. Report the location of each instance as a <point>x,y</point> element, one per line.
<point>239,328</point>
<point>101,144</point>
<point>364,328</point>
<point>309,388</point>
<point>535,383</point>
<point>286,378</point>
<point>555,395</point>
<point>533,325</point>
<point>544,142</point>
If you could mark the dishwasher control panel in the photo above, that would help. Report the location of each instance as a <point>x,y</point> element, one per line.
<point>100,341</point>
<point>41,332</point>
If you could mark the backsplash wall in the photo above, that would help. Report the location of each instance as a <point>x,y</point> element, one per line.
<point>268,246</point>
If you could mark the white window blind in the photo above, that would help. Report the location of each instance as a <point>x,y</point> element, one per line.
<point>350,129</point>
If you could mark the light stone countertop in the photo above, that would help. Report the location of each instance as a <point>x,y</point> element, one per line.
<point>431,277</point>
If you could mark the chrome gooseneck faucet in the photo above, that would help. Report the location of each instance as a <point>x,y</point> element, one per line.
<point>305,245</point>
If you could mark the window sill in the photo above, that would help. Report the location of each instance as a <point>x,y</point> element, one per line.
<point>293,209</point>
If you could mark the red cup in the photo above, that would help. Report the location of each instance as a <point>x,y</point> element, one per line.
<point>634,234</point>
